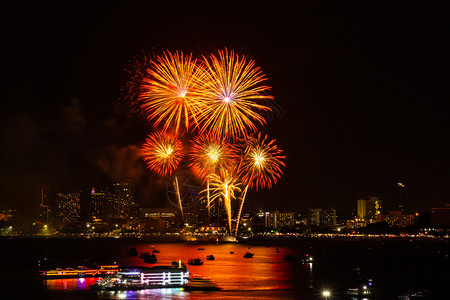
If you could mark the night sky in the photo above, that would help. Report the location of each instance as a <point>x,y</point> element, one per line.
<point>361,88</point>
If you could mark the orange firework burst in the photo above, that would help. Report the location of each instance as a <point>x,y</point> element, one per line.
<point>170,94</point>
<point>261,163</point>
<point>210,155</point>
<point>162,152</point>
<point>232,89</point>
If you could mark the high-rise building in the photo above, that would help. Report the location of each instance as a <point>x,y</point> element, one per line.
<point>369,208</point>
<point>67,208</point>
<point>401,197</point>
<point>98,205</point>
<point>440,216</point>
<point>278,220</point>
<point>322,217</point>
<point>120,199</point>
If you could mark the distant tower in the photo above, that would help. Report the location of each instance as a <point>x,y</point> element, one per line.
<point>401,197</point>
<point>98,205</point>
<point>68,207</point>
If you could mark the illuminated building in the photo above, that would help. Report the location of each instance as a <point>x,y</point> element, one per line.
<point>356,223</point>
<point>5,215</point>
<point>396,218</point>
<point>369,208</point>
<point>67,208</point>
<point>277,220</point>
<point>158,219</point>
<point>322,217</point>
<point>440,216</point>
<point>401,197</point>
<point>98,205</point>
<point>120,200</point>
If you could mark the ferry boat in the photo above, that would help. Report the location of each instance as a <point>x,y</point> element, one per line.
<point>137,278</point>
<point>80,271</point>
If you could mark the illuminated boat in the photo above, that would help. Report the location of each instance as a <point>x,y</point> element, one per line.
<point>79,272</point>
<point>137,278</point>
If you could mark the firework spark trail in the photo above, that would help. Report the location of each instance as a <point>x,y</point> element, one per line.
<point>232,88</point>
<point>162,152</point>
<point>171,93</point>
<point>223,188</point>
<point>179,197</point>
<point>240,209</point>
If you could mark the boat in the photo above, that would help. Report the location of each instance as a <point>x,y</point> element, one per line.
<point>137,278</point>
<point>248,255</point>
<point>132,252</point>
<point>144,255</point>
<point>201,284</point>
<point>210,257</point>
<point>277,251</point>
<point>365,290</point>
<point>195,262</point>
<point>201,249</point>
<point>79,272</point>
<point>155,251</point>
<point>231,252</point>
<point>151,259</point>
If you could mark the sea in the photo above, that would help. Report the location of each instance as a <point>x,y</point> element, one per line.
<point>395,267</point>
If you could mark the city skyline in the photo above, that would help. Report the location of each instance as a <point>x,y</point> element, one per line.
<point>360,107</point>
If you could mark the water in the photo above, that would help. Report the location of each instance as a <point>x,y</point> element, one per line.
<point>396,266</point>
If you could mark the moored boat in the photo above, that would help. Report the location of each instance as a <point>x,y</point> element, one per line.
<point>195,262</point>
<point>248,255</point>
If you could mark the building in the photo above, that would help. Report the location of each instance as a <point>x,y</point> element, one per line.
<point>98,205</point>
<point>67,208</point>
<point>120,200</point>
<point>277,220</point>
<point>322,217</point>
<point>158,219</point>
<point>369,208</point>
<point>440,216</point>
<point>396,218</point>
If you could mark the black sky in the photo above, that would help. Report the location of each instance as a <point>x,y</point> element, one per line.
<point>363,89</point>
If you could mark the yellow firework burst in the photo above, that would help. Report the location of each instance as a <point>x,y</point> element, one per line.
<point>261,163</point>
<point>233,90</point>
<point>170,93</point>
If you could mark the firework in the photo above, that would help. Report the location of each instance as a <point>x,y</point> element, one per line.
<point>162,152</point>
<point>223,189</point>
<point>210,155</point>
<point>233,89</point>
<point>261,163</point>
<point>171,93</point>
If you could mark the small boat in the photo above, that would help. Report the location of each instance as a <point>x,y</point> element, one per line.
<point>151,259</point>
<point>231,252</point>
<point>201,284</point>
<point>132,252</point>
<point>201,249</point>
<point>278,251</point>
<point>195,262</point>
<point>144,255</point>
<point>155,251</point>
<point>248,255</point>
<point>210,257</point>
